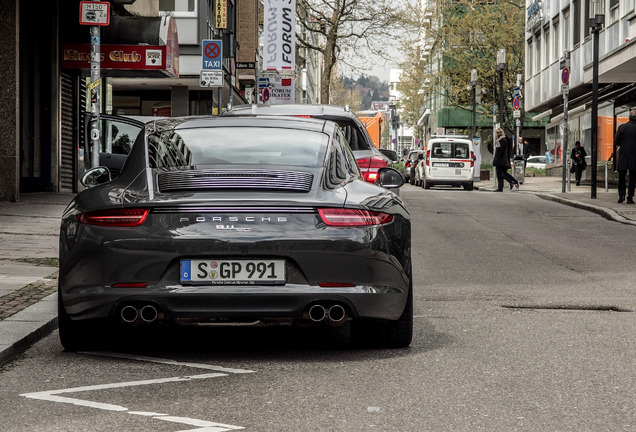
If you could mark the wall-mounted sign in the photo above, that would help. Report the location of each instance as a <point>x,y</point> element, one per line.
<point>535,15</point>
<point>134,57</point>
<point>220,14</point>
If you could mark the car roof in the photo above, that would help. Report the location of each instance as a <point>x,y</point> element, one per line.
<point>291,109</point>
<point>175,123</point>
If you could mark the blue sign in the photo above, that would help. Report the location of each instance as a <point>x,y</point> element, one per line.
<point>212,54</point>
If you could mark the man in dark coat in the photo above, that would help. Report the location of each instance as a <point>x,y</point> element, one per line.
<point>625,143</point>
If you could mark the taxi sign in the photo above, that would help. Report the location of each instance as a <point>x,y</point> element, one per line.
<point>94,13</point>
<point>212,54</point>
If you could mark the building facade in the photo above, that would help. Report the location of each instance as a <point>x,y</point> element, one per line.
<point>559,34</point>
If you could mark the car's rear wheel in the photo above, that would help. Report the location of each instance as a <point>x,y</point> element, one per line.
<point>385,334</point>
<point>426,185</point>
<point>412,179</point>
<point>76,335</point>
<point>468,186</point>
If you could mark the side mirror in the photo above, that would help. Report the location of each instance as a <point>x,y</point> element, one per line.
<point>95,176</point>
<point>389,178</point>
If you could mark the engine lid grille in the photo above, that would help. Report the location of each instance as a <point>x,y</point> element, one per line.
<point>224,179</point>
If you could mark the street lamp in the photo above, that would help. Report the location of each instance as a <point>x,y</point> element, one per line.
<point>597,19</point>
<point>473,83</point>
<point>501,65</point>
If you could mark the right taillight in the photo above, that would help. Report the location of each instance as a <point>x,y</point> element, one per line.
<point>369,167</point>
<point>115,217</point>
<point>353,217</point>
<point>428,157</point>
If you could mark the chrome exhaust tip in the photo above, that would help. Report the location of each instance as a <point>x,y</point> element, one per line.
<point>128,314</point>
<point>317,313</point>
<point>336,315</point>
<point>148,313</point>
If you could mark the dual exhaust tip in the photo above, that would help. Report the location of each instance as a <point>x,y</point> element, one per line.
<point>333,315</point>
<point>147,313</point>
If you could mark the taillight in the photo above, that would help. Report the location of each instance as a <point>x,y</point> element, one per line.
<point>369,167</point>
<point>130,285</point>
<point>472,159</point>
<point>428,157</point>
<point>115,217</point>
<point>353,217</point>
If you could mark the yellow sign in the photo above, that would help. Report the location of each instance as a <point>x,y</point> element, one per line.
<point>94,84</point>
<point>220,14</point>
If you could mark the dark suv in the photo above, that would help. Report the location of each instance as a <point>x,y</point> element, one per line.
<point>369,158</point>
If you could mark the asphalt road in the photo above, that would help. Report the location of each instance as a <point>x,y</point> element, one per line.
<point>524,322</point>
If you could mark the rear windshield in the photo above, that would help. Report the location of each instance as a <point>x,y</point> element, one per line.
<point>450,150</point>
<point>236,146</point>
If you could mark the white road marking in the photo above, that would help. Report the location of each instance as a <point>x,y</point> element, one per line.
<point>168,362</point>
<point>202,425</point>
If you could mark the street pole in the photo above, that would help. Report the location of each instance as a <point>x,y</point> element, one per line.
<point>565,79</point>
<point>95,94</point>
<point>501,64</point>
<point>596,24</point>
<point>473,83</point>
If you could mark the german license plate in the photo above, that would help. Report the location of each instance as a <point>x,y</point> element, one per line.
<point>458,171</point>
<point>440,164</point>
<point>233,272</point>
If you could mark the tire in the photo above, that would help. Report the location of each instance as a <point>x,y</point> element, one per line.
<point>385,334</point>
<point>468,187</point>
<point>426,185</point>
<point>411,179</point>
<point>76,335</point>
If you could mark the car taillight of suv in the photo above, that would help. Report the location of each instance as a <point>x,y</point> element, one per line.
<point>369,166</point>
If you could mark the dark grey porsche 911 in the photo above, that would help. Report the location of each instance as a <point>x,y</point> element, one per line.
<point>223,220</point>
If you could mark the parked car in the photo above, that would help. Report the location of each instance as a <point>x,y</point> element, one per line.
<point>408,169</point>
<point>237,220</point>
<point>369,158</point>
<point>538,162</point>
<point>449,160</point>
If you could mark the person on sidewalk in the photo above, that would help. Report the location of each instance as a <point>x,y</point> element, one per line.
<point>501,161</point>
<point>625,143</point>
<point>578,161</point>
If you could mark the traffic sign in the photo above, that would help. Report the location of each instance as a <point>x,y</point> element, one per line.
<point>212,54</point>
<point>516,92</point>
<point>516,104</point>
<point>565,75</point>
<point>211,78</point>
<point>94,13</point>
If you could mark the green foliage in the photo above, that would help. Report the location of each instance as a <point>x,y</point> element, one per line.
<point>464,35</point>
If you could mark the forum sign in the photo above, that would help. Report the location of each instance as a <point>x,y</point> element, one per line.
<point>279,28</point>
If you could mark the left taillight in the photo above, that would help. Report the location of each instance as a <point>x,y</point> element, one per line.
<point>115,217</point>
<point>353,217</point>
<point>369,167</point>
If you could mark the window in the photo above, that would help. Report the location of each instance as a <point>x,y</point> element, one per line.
<point>179,8</point>
<point>576,22</point>
<point>538,58</point>
<point>546,36</point>
<point>566,29</point>
<point>556,46</point>
<point>530,65</point>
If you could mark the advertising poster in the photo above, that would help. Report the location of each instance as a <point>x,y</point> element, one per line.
<point>279,36</point>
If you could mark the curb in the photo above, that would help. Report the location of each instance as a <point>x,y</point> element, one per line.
<point>602,211</point>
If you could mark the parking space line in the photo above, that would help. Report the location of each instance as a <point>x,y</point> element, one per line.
<point>201,425</point>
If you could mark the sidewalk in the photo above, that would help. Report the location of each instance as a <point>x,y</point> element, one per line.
<point>29,250</point>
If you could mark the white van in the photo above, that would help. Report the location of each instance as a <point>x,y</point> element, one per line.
<point>449,160</point>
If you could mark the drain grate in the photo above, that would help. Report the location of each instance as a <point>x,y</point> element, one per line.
<point>596,308</point>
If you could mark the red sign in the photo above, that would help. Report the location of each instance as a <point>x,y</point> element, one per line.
<point>516,103</point>
<point>133,57</point>
<point>565,75</point>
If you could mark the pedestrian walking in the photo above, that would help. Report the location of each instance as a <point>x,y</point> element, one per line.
<point>578,161</point>
<point>501,161</point>
<point>625,143</point>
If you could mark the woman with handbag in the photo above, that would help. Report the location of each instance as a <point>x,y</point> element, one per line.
<point>501,161</point>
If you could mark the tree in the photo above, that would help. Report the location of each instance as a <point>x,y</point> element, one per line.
<point>466,35</point>
<point>337,28</point>
<point>345,96</point>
